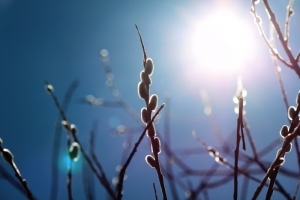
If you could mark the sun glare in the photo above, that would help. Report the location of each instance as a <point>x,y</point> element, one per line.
<point>221,41</point>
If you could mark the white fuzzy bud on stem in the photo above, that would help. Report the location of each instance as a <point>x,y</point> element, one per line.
<point>7,156</point>
<point>145,78</point>
<point>212,152</point>
<point>74,151</point>
<point>73,129</point>
<point>153,102</point>
<point>149,66</point>
<point>145,116</point>
<point>284,131</point>
<point>142,91</point>
<point>291,112</point>
<point>156,145</point>
<point>150,160</point>
<point>65,124</point>
<point>220,159</point>
<point>151,130</point>
<point>49,88</point>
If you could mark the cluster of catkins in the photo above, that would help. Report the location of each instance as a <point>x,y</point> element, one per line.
<point>151,104</point>
<point>287,132</point>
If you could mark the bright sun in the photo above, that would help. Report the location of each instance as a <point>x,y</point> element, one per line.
<point>221,41</point>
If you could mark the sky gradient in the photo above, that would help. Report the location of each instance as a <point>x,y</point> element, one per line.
<point>60,41</point>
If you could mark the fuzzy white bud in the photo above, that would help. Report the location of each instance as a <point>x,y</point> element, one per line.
<point>291,112</point>
<point>142,91</point>
<point>73,129</point>
<point>74,151</point>
<point>212,152</point>
<point>7,156</point>
<point>153,102</point>
<point>284,131</point>
<point>151,130</point>
<point>145,78</point>
<point>150,160</point>
<point>156,145</point>
<point>49,88</point>
<point>144,115</point>
<point>220,159</point>
<point>65,124</point>
<point>149,66</point>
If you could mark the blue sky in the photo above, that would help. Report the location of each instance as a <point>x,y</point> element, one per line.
<point>60,40</point>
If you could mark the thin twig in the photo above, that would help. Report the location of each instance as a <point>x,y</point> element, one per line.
<point>278,70</point>
<point>104,182</point>
<point>175,179</point>
<point>126,146</point>
<point>142,43</point>
<point>57,139</point>
<point>100,102</point>
<point>297,57</point>
<point>212,119</point>
<point>213,169</point>
<point>278,73</point>
<point>102,179</point>
<point>116,94</point>
<point>69,180</point>
<point>252,145</point>
<point>276,168</point>
<point>263,35</point>
<point>122,172</point>
<point>205,195</point>
<point>297,188</point>
<point>274,164</point>
<point>244,167</point>
<point>158,170</point>
<point>88,182</point>
<point>247,164</point>
<point>167,139</point>
<point>226,163</point>
<point>244,188</point>
<point>19,176</point>
<point>69,174</point>
<point>289,14</point>
<point>155,191</point>
<point>238,137</point>
<point>262,166</point>
<point>294,64</point>
<point>94,156</point>
<point>4,174</point>
<point>270,147</point>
